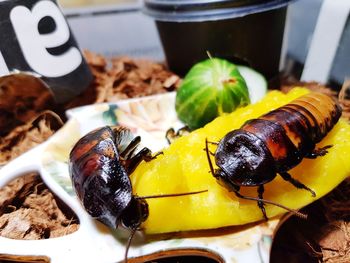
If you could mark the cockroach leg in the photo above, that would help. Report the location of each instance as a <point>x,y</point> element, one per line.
<point>144,154</point>
<point>100,176</point>
<point>212,153</point>
<point>260,203</point>
<point>155,156</point>
<point>171,135</point>
<point>209,151</point>
<point>183,130</point>
<point>207,148</point>
<point>208,156</point>
<point>239,195</point>
<point>287,177</point>
<point>214,143</point>
<point>131,148</point>
<point>273,144</point>
<point>318,152</point>
<point>132,163</point>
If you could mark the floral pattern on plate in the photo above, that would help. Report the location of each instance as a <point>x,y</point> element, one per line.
<point>149,117</point>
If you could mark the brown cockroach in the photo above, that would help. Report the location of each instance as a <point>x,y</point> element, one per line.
<point>273,144</point>
<point>100,164</point>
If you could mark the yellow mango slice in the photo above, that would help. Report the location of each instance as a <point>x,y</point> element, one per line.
<point>184,168</point>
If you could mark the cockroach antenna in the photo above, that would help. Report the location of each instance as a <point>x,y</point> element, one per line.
<point>133,230</point>
<point>170,195</point>
<point>295,212</point>
<point>119,157</point>
<point>132,233</point>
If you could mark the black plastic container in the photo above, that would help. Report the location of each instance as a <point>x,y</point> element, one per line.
<point>248,32</point>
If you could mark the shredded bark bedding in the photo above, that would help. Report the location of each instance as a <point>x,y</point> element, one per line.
<point>28,209</point>
<point>28,119</point>
<point>24,137</point>
<point>122,78</point>
<point>323,237</point>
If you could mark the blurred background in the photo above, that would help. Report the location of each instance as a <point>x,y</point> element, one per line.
<point>118,27</point>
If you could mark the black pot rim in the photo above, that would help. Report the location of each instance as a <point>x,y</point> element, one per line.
<point>207,10</point>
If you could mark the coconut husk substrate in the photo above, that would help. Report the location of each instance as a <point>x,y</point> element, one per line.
<point>325,235</point>
<point>29,210</point>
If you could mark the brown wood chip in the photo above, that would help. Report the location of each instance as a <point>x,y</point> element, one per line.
<point>28,210</point>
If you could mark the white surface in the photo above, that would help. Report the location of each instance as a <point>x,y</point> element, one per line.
<point>330,25</point>
<point>93,242</point>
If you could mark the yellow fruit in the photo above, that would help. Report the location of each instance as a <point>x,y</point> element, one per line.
<point>184,168</point>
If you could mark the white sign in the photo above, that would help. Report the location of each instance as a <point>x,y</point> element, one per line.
<point>35,45</point>
<point>3,67</point>
<point>35,37</point>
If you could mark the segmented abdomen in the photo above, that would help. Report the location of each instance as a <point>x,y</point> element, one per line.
<point>99,179</point>
<point>92,156</point>
<point>291,131</point>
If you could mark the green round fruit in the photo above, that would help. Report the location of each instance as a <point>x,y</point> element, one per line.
<point>211,88</point>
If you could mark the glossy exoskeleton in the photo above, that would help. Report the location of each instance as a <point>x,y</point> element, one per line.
<point>100,164</point>
<point>273,144</point>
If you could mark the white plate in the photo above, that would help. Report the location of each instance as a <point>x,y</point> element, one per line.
<point>149,117</point>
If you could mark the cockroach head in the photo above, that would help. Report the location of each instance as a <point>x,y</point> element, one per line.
<point>135,214</point>
<point>244,160</point>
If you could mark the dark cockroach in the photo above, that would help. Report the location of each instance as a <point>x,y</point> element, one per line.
<point>273,144</point>
<point>100,164</point>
